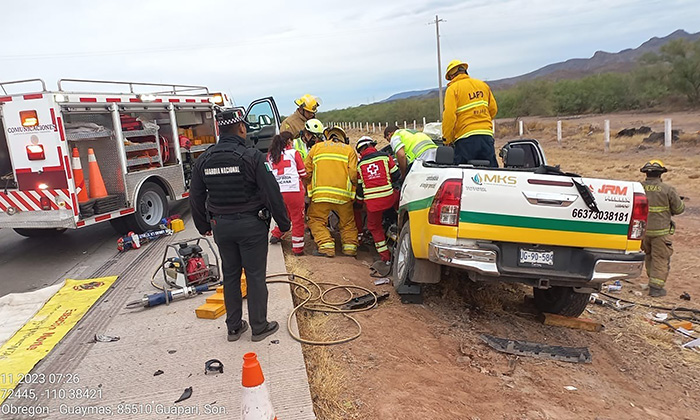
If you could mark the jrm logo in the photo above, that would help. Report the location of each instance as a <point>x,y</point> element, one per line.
<point>612,189</point>
<point>500,179</point>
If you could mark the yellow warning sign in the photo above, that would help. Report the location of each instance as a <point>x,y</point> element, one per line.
<point>46,329</point>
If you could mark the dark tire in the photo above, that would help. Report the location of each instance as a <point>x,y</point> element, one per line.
<point>151,207</point>
<point>120,225</point>
<point>39,233</point>
<point>561,301</point>
<point>404,260</point>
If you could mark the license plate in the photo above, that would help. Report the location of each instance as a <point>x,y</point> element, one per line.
<point>536,257</point>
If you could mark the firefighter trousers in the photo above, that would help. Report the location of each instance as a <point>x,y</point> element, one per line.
<point>658,252</point>
<point>242,242</point>
<point>318,221</point>
<point>294,201</point>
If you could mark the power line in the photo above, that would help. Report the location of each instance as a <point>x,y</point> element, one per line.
<point>439,64</point>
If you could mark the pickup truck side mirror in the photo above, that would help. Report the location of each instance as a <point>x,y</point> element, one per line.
<point>445,155</point>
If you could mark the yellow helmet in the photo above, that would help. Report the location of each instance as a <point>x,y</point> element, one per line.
<point>453,65</point>
<point>308,102</point>
<point>654,165</point>
<point>336,133</point>
<point>314,126</point>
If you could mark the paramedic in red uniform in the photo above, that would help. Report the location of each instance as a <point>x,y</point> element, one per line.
<point>288,168</point>
<point>377,174</point>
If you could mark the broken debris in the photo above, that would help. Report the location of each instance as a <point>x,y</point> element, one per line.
<point>185,395</point>
<point>542,351</point>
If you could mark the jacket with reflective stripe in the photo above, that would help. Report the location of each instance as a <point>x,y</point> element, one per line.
<point>469,109</point>
<point>332,167</point>
<point>414,143</point>
<point>293,123</point>
<point>375,174</point>
<point>664,202</point>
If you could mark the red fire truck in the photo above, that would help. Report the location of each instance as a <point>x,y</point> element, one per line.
<point>144,138</point>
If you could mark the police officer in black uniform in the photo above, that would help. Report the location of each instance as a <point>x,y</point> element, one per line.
<point>232,193</point>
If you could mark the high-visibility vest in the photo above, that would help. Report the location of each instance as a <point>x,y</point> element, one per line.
<point>415,143</point>
<point>301,147</point>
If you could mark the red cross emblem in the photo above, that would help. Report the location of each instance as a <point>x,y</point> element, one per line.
<point>283,163</point>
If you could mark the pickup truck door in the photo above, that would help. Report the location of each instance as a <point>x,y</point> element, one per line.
<point>264,123</point>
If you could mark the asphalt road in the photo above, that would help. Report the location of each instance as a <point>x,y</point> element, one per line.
<point>28,264</point>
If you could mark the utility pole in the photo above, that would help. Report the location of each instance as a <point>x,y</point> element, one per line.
<point>437,36</point>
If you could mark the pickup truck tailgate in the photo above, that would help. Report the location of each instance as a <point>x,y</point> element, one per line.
<point>525,207</point>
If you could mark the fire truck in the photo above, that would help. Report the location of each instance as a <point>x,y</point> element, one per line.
<point>143,137</point>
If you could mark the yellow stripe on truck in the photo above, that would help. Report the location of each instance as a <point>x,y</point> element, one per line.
<point>546,237</point>
<point>422,232</point>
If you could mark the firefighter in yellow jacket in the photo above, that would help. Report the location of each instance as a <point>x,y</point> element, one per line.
<point>467,121</point>
<point>664,202</point>
<point>331,166</point>
<point>306,110</point>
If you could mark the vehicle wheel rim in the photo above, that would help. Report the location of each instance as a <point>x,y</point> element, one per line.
<point>402,257</point>
<point>151,208</point>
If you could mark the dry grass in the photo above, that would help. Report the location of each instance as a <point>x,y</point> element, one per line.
<point>326,376</point>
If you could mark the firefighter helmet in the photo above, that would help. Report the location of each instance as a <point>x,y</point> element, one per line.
<point>308,102</point>
<point>453,65</point>
<point>337,134</point>
<point>314,126</point>
<point>654,165</point>
<point>363,142</point>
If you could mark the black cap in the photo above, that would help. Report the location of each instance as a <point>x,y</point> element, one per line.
<point>230,117</point>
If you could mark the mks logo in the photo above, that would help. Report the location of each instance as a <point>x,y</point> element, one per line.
<point>494,179</point>
<point>612,189</point>
<point>477,179</point>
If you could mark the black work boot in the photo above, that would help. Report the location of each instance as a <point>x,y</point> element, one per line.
<point>236,334</point>
<point>271,328</point>
<point>657,292</point>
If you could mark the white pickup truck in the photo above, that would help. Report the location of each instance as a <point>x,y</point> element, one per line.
<point>526,222</point>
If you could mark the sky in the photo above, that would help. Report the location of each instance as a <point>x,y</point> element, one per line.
<point>347,53</point>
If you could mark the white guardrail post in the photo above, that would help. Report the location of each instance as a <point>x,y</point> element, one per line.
<point>668,134</point>
<point>559,132</point>
<point>520,128</point>
<point>607,135</point>
<point>423,123</point>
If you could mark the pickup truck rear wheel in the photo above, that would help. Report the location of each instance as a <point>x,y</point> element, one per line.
<point>404,260</point>
<point>561,301</point>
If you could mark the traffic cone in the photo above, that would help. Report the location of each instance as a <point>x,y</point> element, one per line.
<point>97,185</point>
<point>255,399</point>
<point>78,177</point>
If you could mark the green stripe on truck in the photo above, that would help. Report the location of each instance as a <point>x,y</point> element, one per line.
<point>542,223</point>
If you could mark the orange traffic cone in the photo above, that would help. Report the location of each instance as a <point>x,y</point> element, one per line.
<point>78,177</point>
<point>255,399</point>
<point>97,185</point>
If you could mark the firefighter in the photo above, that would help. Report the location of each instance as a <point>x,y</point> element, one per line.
<point>376,176</point>
<point>467,120</point>
<point>664,202</point>
<point>331,167</point>
<point>232,195</point>
<point>409,146</point>
<point>306,110</point>
<point>311,133</point>
<point>336,133</point>
<point>288,168</point>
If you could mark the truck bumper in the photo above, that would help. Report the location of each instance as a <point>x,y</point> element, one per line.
<point>496,260</point>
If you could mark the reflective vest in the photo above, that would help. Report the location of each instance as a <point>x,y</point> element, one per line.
<point>664,202</point>
<point>469,109</point>
<point>301,147</point>
<point>414,143</point>
<point>289,170</point>
<point>374,178</point>
<point>333,170</point>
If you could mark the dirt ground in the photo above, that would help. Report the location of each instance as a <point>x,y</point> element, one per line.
<point>427,361</point>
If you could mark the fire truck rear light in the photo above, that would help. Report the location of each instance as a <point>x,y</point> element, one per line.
<point>60,98</point>
<point>35,152</point>
<point>145,97</point>
<point>45,203</point>
<point>43,186</point>
<point>219,99</point>
<point>28,118</point>
<point>640,211</point>
<point>61,203</point>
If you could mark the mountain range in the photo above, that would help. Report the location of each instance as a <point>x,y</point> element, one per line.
<point>601,62</point>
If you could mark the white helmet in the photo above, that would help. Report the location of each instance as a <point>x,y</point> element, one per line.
<point>363,142</point>
<point>314,126</point>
